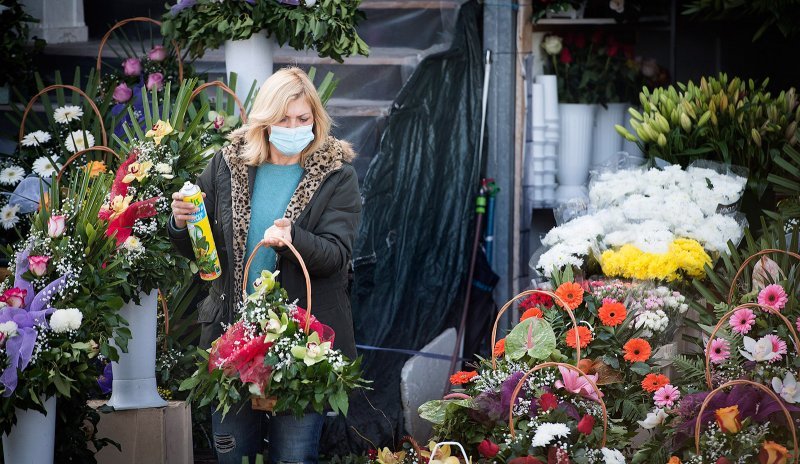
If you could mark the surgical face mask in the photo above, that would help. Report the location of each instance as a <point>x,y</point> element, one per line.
<point>291,141</point>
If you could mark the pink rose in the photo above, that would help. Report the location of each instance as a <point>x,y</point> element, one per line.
<point>122,93</point>
<point>132,67</point>
<point>158,53</point>
<point>14,297</point>
<point>57,224</point>
<point>155,80</point>
<point>38,265</point>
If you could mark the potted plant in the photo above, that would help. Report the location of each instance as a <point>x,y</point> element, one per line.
<point>249,30</point>
<point>16,59</point>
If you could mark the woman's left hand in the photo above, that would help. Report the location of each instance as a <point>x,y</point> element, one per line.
<point>279,234</point>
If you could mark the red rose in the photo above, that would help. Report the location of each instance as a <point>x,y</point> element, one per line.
<point>488,449</point>
<point>586,424</point>
<point>566,56</point>
<point>613,49</point>
<point>548,401</point>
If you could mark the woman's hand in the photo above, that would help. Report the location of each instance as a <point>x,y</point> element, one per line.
<point>278,234</point>
<point>182,211</point>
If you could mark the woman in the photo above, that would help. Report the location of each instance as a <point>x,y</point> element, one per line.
<point>281,176</point>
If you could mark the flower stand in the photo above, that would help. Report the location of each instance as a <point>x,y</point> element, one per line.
<point>134,384</point>
<point>575,149</point>
<point>251,60</point>
<point>32,439</point>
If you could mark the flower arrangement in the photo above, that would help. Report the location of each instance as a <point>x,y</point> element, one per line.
<point>650,224</point>
<point>44,152</point>
<point>596,68</point>
<point>276,350</point>
<point>326,26</point>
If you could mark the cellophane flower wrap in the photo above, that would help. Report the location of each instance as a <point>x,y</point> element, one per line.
<point>268,353</point>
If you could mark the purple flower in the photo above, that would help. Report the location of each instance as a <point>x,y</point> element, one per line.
<point>155,80</point>
<point>181,5</point>
<point>507,389</point>
<point>132,67</point>
<point>106,379</point>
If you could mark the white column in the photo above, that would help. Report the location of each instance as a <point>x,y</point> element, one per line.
<point>60,20</point>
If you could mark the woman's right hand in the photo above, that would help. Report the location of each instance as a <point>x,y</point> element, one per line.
<point>182,211</point>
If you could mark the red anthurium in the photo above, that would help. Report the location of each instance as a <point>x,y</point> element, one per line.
<point>586,424</point>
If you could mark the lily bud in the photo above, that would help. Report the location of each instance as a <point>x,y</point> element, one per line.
<point>704,119</point>
<point>686,123</point>
<point>625,133</point>
<point>791,130</point>
<point>756,136</point>
<point>632,111</point>
<point>662,140</point>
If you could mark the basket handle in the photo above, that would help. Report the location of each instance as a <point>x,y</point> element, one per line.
<point>508,304</point>
<point>226,89</point>
<point>81,153</point>
<point>302,266</point>
<point>698,421</point>
<point>749,260</point>
<point>724,319</point>
<point>539,367</point>
<point>130,20</point>
<point>67,87</point>
<point>450,443</point>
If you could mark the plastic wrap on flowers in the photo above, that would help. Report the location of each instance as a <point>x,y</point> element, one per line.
<point>727,182</point>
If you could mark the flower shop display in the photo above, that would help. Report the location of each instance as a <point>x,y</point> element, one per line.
<point>572,9</point>
<point>277,354</point>
<point>249,29</point>
<point>58,312</point>
<point>650,224</point>
<point>782,16</point>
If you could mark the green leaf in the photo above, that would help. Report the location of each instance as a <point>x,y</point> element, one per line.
<point>533,337</point>
<point>640,368</point>
<point>61,385</point>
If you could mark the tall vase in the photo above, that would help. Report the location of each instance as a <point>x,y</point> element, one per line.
<point>134,384</point>
<point>32,439</point>
<point>251,60</point>
<point>575,149</point>
<point>607,142</point>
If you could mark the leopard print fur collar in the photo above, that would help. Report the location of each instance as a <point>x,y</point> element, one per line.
<point>330,158</point>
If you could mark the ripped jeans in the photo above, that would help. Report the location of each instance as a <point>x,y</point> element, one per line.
<point>290,440</point>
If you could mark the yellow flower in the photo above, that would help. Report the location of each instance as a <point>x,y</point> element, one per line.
<point>137,171</point>
<point>773,453</point>
<point>95,168</point>
<point>685,256</point>
<point>118,206</point>
<point>160,130</point>
<point>728,419</point>
<point>385,456</point>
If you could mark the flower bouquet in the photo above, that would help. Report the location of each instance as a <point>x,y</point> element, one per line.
<point>327,27</point>
<point>278,354</point>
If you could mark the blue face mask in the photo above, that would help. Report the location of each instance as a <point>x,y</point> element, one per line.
<point>291,141</point>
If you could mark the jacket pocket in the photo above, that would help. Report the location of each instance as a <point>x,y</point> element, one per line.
<point>212,309</point>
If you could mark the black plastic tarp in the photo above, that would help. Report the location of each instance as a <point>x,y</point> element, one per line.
<point>413,246</point>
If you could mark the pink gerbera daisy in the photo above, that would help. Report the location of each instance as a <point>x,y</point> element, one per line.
<point>797,323</point>
<point>666,396</point>
<point>742,320</point>
<point>719,350</point>
<point>778,346</point>
<point>773,296</point>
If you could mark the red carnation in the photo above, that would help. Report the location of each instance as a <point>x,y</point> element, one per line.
<point>566,56</point>
<point>548,401</point>
<point>586,424</point>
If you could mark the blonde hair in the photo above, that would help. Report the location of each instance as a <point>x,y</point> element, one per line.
<point>270,106</point>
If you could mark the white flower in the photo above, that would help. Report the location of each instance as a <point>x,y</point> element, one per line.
<point>552,44</point>
<point>44,168</point>
<point>165,170</point>
<point>760,350</point>
<point>34,139</point>
<point>548,432</point>
<point>612,456</point>
<point>8,216</point>
<point>78,140</point>
<point>65,114</point>
<point>617,5</point>
<point>310,3</point>
<point>9,329</point>
<point>132,243</point>
<point>64,320</point>
<point>653,419</point>
<point>12,175</point>
<point>787,388</point>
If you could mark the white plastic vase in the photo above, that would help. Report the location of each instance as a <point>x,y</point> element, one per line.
<point>251,60</point>
<point>607,142</point>
<point>575,149</point>
<point>32,439</point>
<point>134,384</point>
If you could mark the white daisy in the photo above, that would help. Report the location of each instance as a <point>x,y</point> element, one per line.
<point>34,139</point>
<point>548,432</point>
<point>8,216</point>
<point>12,175</point>
<point>65,114</point>
<point>44,168</point>
<point>77,142</point>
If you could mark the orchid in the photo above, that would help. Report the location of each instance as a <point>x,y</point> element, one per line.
<point>761,350</point>
<point>787,388</point>
<point>314,351</point>
<point>274,325</point>
<point>263,285</point>
<point>654,419</point>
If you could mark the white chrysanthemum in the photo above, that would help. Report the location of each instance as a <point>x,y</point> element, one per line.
<point>34,139</point>
<point>612,456</point>
<point>547,432</point>
<point>8,216</point>
<point>64,320</point>
<point>79,140</point>
<point>44,168</point>
<point>9,329</point>
<point>132,243</point>
<point>65,114</point>
<point>165,170</point>
<point>12,175</point>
